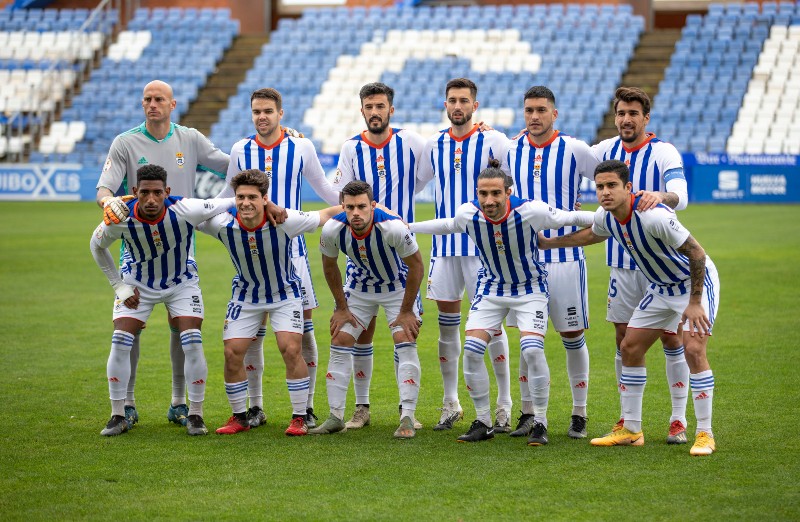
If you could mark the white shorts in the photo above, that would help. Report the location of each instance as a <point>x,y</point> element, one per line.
<point>569,297</point>
<point>364,306</point>
<point>243,320</point>
<point>658,311</point>
<point>626,288</point>
<point>487,313</point>
<point>183,300</point>
<point>306,285</point>
<point>449,276</point>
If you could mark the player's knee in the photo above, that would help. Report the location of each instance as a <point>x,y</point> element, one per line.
<point>344,339</point>
<point>695,352</point>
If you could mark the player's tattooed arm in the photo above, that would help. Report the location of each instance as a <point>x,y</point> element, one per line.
<point>578,238</point>
<point>649,199</point>
<point>694,313</point>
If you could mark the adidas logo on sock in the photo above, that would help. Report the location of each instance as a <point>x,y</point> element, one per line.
<point>329,376</point>
<point>701,396</point>
<point>442,359</point>
<point>410,381</point>
<point>311,364</point>
<point>250,368</point>
<point>199,381</point>
<point>360,375</point>
<point>679,384</point>
<point>523,378</point>
<point>113,379</point>
<point>581,385</point>
<point>500,358</point>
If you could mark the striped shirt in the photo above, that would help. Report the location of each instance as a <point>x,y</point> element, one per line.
<point>287,163</point>
<point>391,168</point>
<point>508,247</point>
<point>652,239</point>
<point>376,258</point>
<point>454,164</point>
<point>158,253</point>
<point>262,255</point>
<point>654,165</point>
<point>552,173</point>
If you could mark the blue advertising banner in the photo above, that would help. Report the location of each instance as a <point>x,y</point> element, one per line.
<point>745,178</point>
<point>52,181</point>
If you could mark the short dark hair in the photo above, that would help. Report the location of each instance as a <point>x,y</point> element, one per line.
<point>252,177</point>
<point>371,89</point>
<point>615,166</point>
<point>356,188</point>
<point>540,91</point>
<point>630,95</point>
<point>493,172</point>
<point>268,94</point>
<point>151,173</point>
<point>462,83</point>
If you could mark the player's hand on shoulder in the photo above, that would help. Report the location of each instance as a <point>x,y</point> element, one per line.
<point>648,200</point>
<point>115,209</point>
<point>294,133</point>
<point>484,127</point>
<point>276,215</point>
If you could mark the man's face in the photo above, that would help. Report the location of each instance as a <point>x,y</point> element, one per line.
<point>377,112</point>
<point>151,194</point>
<point>492,197</point>
<point>157,102</point>
<point>250,203</point>
<point>460,106</point>
<point>611,192</point>
<point>631,121</point>
<point>266,116</point>
<point>539,116</point>
<point>359,212</point>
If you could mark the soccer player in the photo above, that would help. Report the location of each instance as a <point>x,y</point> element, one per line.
<point>548,166</point>
<point>267,283</point>
<point>157,268</point>
<point>453,158</point>
<point>181,151</point>
<point>656,175</point>
<point>504,229</point>
<point>684,291</point>
<point>388,160</point>
<point>386,270</point>
<point>287,161</point>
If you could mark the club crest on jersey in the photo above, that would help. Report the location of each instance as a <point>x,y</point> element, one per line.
<point>362,252</point>
<point>537,170</point>
<point>156,235</point>
<point>251,242</point>
<point>457,162</point>
<point>627,163</point>
<point>627,239</point>
<point>179,159</point>
<point>498,241</point>
<point>268,166</point>
<point>381,166</point>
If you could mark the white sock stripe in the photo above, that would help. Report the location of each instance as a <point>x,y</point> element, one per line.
<point>363,351</point>
<point>342,349</point>
<point>574,344</point>
<point>633,380</point>
<point>531,341</point>
<point>675,352</point>
<point>235,387</point>
<point>308,326</point>
<point>122,338</point>
<point>404,346</point>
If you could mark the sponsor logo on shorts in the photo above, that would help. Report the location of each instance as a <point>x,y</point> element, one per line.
<point>539,314</point>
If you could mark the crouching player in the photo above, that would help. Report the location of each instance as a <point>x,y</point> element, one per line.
<point>266,283</point>
<point>684,289</point>
<point>504,228</point>
<point>159,268</point>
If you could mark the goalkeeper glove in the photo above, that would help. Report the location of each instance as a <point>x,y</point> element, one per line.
<point>115,209</point>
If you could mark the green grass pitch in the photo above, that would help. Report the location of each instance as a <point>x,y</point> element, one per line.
<point>55,328</point>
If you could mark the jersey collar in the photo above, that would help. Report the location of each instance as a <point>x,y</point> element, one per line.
<point>257,227</point>
<point>272,146</point>
<point>365,234</point>
<point>379,145</point>
<point>545,144</point>
<point>650,136</point>
<point>505,216</point>
<point>630,214</point>
<point>465,136</point>
<point>143,128</point>
<point>146,222</point>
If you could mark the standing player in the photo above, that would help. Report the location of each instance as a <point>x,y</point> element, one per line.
<point>504,229</point>
<point>181,151</point>
<point>266,283</point>
<point>656,169</point>
<point>388,160</point>
<point>684,291</point>
<point>386,270</point>
<point>158,268</point>
<point>453,158</point>
<point>547,166</point>
<point>287,161</point>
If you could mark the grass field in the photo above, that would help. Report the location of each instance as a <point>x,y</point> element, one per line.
<point>55,328</point>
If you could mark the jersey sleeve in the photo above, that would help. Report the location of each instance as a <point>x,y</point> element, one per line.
<point>105,235</point>
<point>195,211</point>
<point>674,176</point>
<point>457,223</point>
<point>400,238</point>
<point>215,224</point>
<point>329,239</point>
<point>313,172</point>
<point>299,222</point>
<point>541,216</point>
<point>344,169</point>
<point>599,223</point>
<point>102,237</point>
<point>115,167</point>
<point>664,225</point>
<point>499,147</point>
<point>417,144</point>
<point>425,173</point>
<point>585,159</point>
<point>233,169</point>
<point>209,157</point>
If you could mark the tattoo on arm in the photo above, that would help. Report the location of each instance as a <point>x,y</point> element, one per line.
<point>697,264</point>
<point>670,199</point>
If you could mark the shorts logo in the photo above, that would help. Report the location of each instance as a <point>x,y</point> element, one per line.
<point>296,314</point>
<point>196,299</point>
<point>180,160</point>
<point>225,326</point>
<point>539,314</point>
<point>572,311</point>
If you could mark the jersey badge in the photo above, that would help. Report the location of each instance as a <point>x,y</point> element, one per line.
<point>338,176</point>
<point>268,166</point>
<point>362,252</point>
<point>381,166</point>
<point>179,159</point>
<point>498,241</point>
<point>156,235</point>
<point>251,242</point>
<point>628,241</point>
<point>107,166</point>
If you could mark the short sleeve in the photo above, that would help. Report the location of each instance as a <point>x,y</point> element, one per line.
<point>401,239</point>
<point>210,157</point>
<point>664,225</point>
<point>115,168</point>
<point>329,239</point>
<point>299,222</point>
<point>599,224</point>
<point>344,169</point>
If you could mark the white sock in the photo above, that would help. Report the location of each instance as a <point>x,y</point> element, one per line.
<point>362,371</point>
<point>254,367</point>
<point>337,380</point>
<point>631,385</point>
<point>578,372</point>
<point>178,362</point>
<point>130,399</point>
<point>408,377</point>
<point>449,351</point>
<point>677,377</point>
<point>118,370</point>
<point>618,371</point>
<point>196,369</point>
<point>237,395</point>
<point>498,351</point>
<point>702,397</point>
<point>524,389</point>
<point>476,377</point>
<point>311,357</point>
<point>532,347</point>
<point>298,394</point>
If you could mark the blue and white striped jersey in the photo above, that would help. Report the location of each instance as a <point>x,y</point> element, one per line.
<point>654,165</point>
<point>454,164</point>
<point>287,163</point>
<point>376,258</point>
<point>391,168</point>
<point>508,247</point>
<point>552,173</point>
<point>159,253</point>
<point>262,256</point>
<point>651,238</point>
